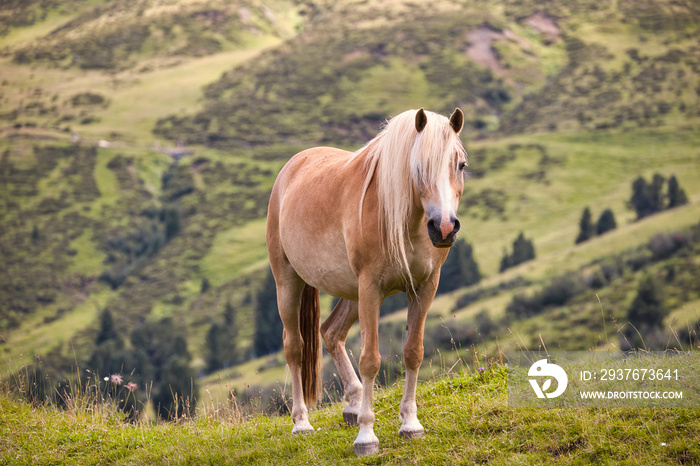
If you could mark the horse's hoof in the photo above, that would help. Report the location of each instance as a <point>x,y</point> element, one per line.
<point>350,419</point>
<point>364,449</point>
<point>302,431</point>
<point>411,434</point>
<point>302,428</point>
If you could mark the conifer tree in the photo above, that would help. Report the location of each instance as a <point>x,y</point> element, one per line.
<point>460,269</point>
<point>108,356</point>
<point>523,251</point>
<point>176,392</point>
<point>676,194</point>
<point>656,194</point>
<point>506,261</point>
<point>221,342</point>
<point>647,198</point>
<point>586,231</point>
<point>606,222</point>
<point>107,331</point>
<point>268,325</point>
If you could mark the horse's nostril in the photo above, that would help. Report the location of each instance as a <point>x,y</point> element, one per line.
<point>432,225</point>
<point>456,225</point>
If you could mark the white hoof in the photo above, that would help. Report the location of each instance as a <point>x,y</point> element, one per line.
<point>365,449</point>
<point>410,434</point>
<point>366,442</point>
<point>302,427</point>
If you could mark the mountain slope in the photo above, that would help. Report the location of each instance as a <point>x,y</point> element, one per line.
<point>197,105</point>
<point>466,417</point>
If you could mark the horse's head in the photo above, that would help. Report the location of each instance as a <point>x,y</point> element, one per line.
<point>441,164</point>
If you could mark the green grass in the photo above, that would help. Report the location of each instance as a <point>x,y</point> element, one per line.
<point>236,252</point>
<point>466,417</point>
<point>343,77</point>
<point>88,261</point>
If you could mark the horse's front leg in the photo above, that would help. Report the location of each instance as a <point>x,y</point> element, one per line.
<point>370,301</point>
<point>413,357</point>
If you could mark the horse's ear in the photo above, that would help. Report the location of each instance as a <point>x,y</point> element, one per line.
<point>421,120</point>
<point>457,120</point>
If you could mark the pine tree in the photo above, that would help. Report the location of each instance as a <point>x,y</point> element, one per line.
<point>176,393</point>
<point>506,261</point>
<point>470,269</point>
<point>640,201</point>
<point>523,250</point>
<point>229,316</point>
<point>205,285</point>
<point>586,227</point>
<point>214,353</point>
<point>656,192</point>
<point>647,199</point>
<point>107,331</point>
<point>107,358</point>
<point>35,235</point>
<point>460,269</point>
<point>676,194</point>
<point>221,342</point>
<point>268,325</point>
<point>606,222</point>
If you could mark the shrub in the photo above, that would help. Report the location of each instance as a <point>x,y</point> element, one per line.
<point>647,309</point>
<point>523,306</point>
<point>661,246</point>
<point>557,293</point>
<point>597,279</point>
<point>561,290</point>
<point>87,98</point>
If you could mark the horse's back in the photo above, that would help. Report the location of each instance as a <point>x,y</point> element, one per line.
<point>306,218</point>
<point>309,164</point>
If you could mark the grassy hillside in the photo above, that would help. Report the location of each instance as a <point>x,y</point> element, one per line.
<point>139,141</point>
<point>466,416</point>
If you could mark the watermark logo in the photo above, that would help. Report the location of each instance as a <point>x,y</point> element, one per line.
<point>603,379</point>
<point>542,368</point>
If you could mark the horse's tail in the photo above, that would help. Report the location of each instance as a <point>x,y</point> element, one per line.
<point>310,326</point>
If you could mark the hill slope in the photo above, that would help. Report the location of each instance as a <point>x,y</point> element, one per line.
<point>466,417</point>
<point>137,180</point>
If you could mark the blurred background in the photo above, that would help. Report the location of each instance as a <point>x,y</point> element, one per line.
<point>140,139</point>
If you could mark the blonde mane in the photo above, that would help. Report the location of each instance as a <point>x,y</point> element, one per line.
<point>399,158</point>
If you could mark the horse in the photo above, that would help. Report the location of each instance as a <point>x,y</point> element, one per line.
<point>362,226</point>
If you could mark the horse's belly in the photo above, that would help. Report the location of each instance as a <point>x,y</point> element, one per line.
<point>321,261</point>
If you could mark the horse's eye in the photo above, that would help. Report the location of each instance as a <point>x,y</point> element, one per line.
<point>462,166</point>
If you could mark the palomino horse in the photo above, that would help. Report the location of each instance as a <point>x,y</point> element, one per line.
<point>363,226</point>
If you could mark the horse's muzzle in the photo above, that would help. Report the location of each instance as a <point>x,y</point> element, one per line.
<point>443,234</point>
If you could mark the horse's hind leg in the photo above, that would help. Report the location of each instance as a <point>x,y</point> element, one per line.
<point>335,330</point>
<point>289,290</point>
